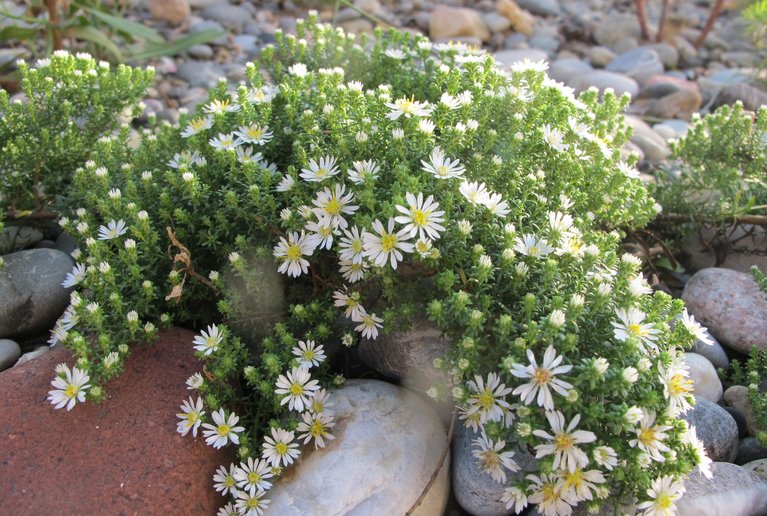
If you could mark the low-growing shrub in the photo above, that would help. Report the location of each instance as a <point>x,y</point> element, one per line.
<point>385,181</point>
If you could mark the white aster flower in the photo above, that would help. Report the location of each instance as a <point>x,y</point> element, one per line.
<point>291,252</point>
<point>514,497</point>
<point>487,398</point>
<point>564,442</point>
<point>207,342</point>
<point>441,166</point>
<point>581,485</point>
<point>286,184</point>
<point>223,430</point>
<point>475,192</point>
<point>251,475</point>
<point>218,107</point>
<point>547,492</point>
<point>332,205</point>
<point>542,378</point>
<point>298,70</point>
<point>638,286</point>
<point>297,387</point>
<point>228,509</point>
<point>650,437</point>
<point>352,271</point>
<point>554,138</point>
<point>560,222</point>
<point>224,481</point>
<point>309,354</point>
<point>663,493</point>
<point>320,403</point>
<point>363,171</point>
<point>319,171</point>
<point>530,245</point>
<point>492,457</point>
<point>449,101</point>
<point>194,382</point>
<point>224,142</point>
<point>426,126</point>
<point>254,133</point>
<point>251,504</point>
<point>368,326</point>
<point>191,416</point>
<point>196,126</point>
<point>70,387</point>
<point>630,327</point>
<point>677,386</point>
<point>262,94</point>
<point>627,170</point>
<point>185,159</point>
<point>421,217</point>
<point>352,245</point>
<point>321,233</point>
<point>497,206</point>
<point>112,230</point>
<point>245,155</point>
<point>280,448</point>
<point>694,327</point>
<point>605,457</point>
<point>75,277</point>
<point>407,108</point>
<point>702,460</point>
<point>349,302</point>
<point>383,244</point>
<point>315,427</point>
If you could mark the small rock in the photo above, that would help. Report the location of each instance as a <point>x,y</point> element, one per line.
<point>548,43</point>
<point>716,428</point>
<point>388,443</point>
<point>509,57</point>
<point>15,238</point>
<point>733,491</point>
<point>496,22</point>
<point>749,450</point>
<point>9,353</point>
<point>731,305</point>
<point>564,70</point>
<point>247,43</point>
<point>521,20</point>
<point>211,25</point>
<point>603,80</point>
<point>119,470</point>
<point>667,54</point>
<point>751,97</point>
<point>31,355</point>
<point>200,51</point>
<point>451,22</point>
<point>729,76</point>
<point>171,11</point>
<point>705,381</point>
<point>475,489</point>
<point>541,7</point>
<point>652,144</point>
<point>740,420</point>
<point>228,15</point>
<point>688,54</point>
<point>358,26</point>
<point>758,466</point>
<point>600,56</point>
<point>408,356</point>
<point>639,64</point>
<point>713,352</point>
<point>203,74</point>
<point>372,7</point>
<point>737,397</point>
<point>32,296</point>
<point>45,244</point>
<point>681,104</point>
<point>616,27</point>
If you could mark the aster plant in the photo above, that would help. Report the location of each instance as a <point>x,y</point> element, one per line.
<point>363,168</point>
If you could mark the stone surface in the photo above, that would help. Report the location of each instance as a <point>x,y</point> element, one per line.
<point>13,238</point>
<point>716,428</point>
<point>667,54</point>
<point>171,11</point>
<point>541,7</point>
<point>123,456</point>
<point>496,22</point>
<point>758,466</point>
<point>640,64</point>
<point>752,98</point>
<point>388,443</point>
<point>521,20</point>
<point>680,104</point>
<point>601,56</point>
<point>736,396</point>
<point>713,352</point>
<point>200,73</point>
<point>66,243</point>
<point>9,353</point>
<point>738,250</point>
<point>602,80</point>
<point>408,356</point>
<point>652,144</point>
<point>615,27</point>
<point>564,70</point>
<point>450,22</point>
<point>731,305</point>
<point>740,420</point>
<point>509,57</point>
<point>733,491</point>
<point>31,355</point>
<point>31,295</point>
<point>704,378</point>
<point>230,16</point>
<point>750,450</point>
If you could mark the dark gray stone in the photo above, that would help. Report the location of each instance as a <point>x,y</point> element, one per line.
<point>615,27</point>
<point>66,243</point>
<point>201,51</point>
<point>713,352</point>
<point>751,97</point>
<point>639,64</point>
<point>541,7</point>
<point>14,238</point>
<point>9,353</point>
<point>211,25</point>
<point>247,44</point>
<point>203,74</point>
<point>750,450</point>
<point>740,420</point>
<point>716,428</point>
<point>45,244</point>
<point>733,491</point>
<point>31,295</point>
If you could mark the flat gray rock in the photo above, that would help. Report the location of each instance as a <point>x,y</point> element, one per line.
<point>387,444</point>
<point>203,74</point>
<point>713,352</point>
<point>733,491</point>
<point>31,295</point>
<point>640,64</point>
<point>652,144</point>
<point>731,305</point>
<point>716,428</point>
<point>602,80</point>
<point>564,70</point>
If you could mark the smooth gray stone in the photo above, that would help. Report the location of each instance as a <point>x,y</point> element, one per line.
<point>200,51</point>
<point>211,25</point>
<point>563,70</point>
<point>733,491</point>
<point>713,352</point>
<point>26,357</point>
<point>541,7</point>
<point>716,428</point>
<point>602,80</point>
<point>750,450</point>
<point>652,144</point>
<point>639,64</point>
<point>230,16</point>
<point>31,295</point>
<point>704,378</point>
<point>203,74</point>
<point>66,243</point>
<point>9,353</point>
<point>14,238</point>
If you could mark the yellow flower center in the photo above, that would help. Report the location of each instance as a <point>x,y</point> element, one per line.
<point>574,478</point>
<point>322,173</point>
<point>223,430</point>
<point>663,501</point>
<point>491,459</point>
<point>486,399</point>
<point>407,106</point>
<point>317,428</point>
<point>192,418</point>
<point>309,354</point>
<point>563,441</point>
<point>296,389</point>
<point>255,133</point>
<point>318,406</point>
<point>647,436</point>
<point>326,230</point>
<point>357,246</point>
<point>679,385</point>
<point>293,253</point>
<point>534,250</point>
<point>388,242</point>
<point>442,170</point>
<point>541,376</point>
<point>254,478</point>
<point>252,503</point>
<point>197,124</point>
<point>229,481</point>
<point>333,206</point>
<point>419,217</point>
<point>70,391</point>
<point>635,329</point>
<point>549,492</point>
<point>281,448</point>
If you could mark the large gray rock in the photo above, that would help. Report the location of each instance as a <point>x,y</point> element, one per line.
<point>749,450</point>
<point>652,144</point>
<point>704,378</point>
<point>733,491</point>
<point>731,305</point>
<point>387,445</point>
<point>565,70</point>
<point>9,353</point>
<point>13,238</point>
<point>602,80</point>
<point>736,396</point>
<point>475,489</point>
<point>714,352</point>
<point>758,466</point>
<point>716,428</point>
<point>409,355</point>
<point>640,64</point>
<point>31,295</point>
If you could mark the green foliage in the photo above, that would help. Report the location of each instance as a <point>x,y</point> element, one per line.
<point>341,144</point>
<point>756,17</point>
<point>103,31</point>
<point>70,102</point>
<point>720,169</point>
<point>752,375</point>
<point>759,277</point>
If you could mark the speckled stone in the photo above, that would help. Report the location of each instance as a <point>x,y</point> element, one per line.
<point>733,491</point>
<point>716,428</point>
<point>120,457</point>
